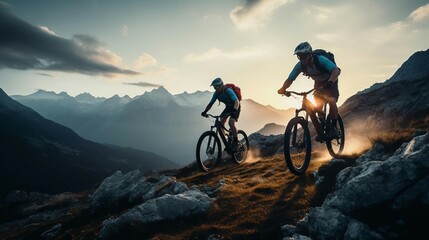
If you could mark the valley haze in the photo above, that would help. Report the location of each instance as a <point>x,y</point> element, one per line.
<point>156,121</point>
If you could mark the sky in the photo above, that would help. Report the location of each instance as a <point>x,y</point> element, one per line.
<point>107,47</point>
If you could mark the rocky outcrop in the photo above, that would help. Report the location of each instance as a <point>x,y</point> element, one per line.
<point>145,200</point>
<point>266,145</point>
<point>416,67</point>
<point>400,102</point>
<point>390,107</point>
<point>149,199</point>
<point>382,196</point>
<point>133,188</point>
<point>167,207</point>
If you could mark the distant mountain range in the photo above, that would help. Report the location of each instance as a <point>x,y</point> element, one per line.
<point>272,129</point>
<point>37,154</point>
<point>156,121</point>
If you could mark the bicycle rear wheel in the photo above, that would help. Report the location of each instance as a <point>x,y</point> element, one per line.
<point>243,147</point>
<point>336,145</point>
<point>297,145</point>
<point>208,151</point>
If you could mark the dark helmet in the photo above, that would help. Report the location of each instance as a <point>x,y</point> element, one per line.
<point>217,82</point>
<point>303,48</point>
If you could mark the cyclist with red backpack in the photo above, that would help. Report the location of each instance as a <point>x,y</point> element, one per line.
<point>230,95</point>
<point>320,66</point>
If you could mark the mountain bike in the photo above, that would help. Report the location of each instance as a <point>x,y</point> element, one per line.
<point>209,146</point>
<point>297,140</point>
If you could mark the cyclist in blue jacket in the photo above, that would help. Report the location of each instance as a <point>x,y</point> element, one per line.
<point>232,107</point>
<point>325,77</point>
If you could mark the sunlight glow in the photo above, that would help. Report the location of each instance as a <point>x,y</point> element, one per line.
<point>312,100</point>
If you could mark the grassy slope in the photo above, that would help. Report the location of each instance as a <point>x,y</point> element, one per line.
<point>256,200</point>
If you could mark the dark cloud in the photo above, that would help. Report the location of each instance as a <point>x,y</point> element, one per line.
<point>143,84</point>
<point>24,46</point>
<point>248,6</point>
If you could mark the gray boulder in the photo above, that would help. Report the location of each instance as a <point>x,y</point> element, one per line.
<point>377,153</point>
<point>288,230</point>
<point>326,223</point>
<point>377,184</point>
<point>418,193</point>
<point>374,183</point>
<point>133,188</point>
<point>349,173</point>
<point>289,233</point>
<point>267,145</point>
<point>360,231</point>
<point>167,207</point>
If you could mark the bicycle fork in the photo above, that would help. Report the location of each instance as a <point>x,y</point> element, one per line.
<point>210,149</point>
<point>295,143</point>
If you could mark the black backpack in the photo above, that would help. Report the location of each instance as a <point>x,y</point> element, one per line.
<point>320,52</point>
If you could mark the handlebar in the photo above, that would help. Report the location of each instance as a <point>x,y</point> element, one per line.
<point>216,117</point>
<point>288,93</point>
<point>213,116</point>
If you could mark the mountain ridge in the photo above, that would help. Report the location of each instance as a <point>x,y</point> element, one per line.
<point>151,120</point>
<point>415,67</point>
<point>41,155</point>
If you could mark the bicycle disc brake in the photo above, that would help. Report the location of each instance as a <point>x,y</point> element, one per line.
<point>210,151</point>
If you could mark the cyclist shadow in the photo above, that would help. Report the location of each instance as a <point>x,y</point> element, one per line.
<point>291,203</point>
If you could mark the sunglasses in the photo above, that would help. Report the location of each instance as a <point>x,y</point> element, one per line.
<point>303,56</point>
<point>217,86</point>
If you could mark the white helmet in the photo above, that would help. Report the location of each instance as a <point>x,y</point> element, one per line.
<point>303,48</point>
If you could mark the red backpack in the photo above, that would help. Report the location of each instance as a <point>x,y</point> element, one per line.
<point>235,88</point>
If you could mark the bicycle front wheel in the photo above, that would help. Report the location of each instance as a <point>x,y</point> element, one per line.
<point>208,151</point>
<point>243,147</point>
<point>297,145</point>
<point>336,145</point>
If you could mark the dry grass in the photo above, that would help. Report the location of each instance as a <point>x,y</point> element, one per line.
<point>255,201</point>
<point>392,140</point>
<point>257,198</point>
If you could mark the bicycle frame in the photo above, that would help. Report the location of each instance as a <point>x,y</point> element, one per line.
<point>219,126</point>
<point>310,111</point>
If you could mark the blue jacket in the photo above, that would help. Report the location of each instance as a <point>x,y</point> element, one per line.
<point>228,97</point>
<point>313,72</point>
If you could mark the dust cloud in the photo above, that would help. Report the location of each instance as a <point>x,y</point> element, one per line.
<point>252,156</point>
<point>358,139</point>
